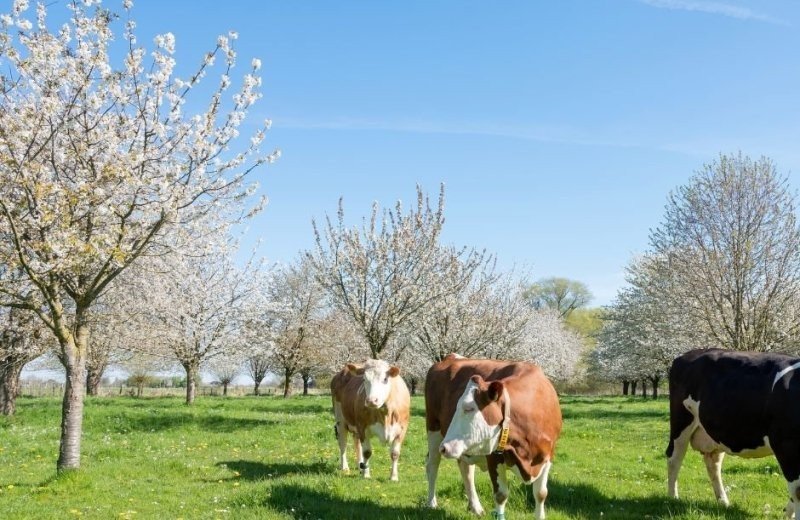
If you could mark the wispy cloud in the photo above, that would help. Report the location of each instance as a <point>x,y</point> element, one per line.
<point>697,146</point>
<point>718,8</point>
<point>544,134</point>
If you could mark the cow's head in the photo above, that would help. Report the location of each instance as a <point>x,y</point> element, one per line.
<point>476,425</point>
<point>378,376</point>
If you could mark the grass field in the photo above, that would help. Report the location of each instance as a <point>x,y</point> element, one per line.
<point>272,458</point>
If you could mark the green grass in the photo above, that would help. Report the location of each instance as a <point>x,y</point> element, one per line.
<point>273,458</point>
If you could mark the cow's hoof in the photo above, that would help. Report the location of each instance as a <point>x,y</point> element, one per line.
<point>394,479</point>
<point>478,510</point>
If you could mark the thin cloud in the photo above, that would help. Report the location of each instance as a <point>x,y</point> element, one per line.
<point>717,8</point>
<point>695,146</point>
<point>541,134</point>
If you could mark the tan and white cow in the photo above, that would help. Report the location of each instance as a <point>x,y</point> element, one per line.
<point>369,400</point>
<point>495,414</point>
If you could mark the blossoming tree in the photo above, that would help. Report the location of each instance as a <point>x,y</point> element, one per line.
<point>197,308</point>
<point>21,340</point>
<point>298,300</point>
<point>383,274</point>
<point>99,163</point>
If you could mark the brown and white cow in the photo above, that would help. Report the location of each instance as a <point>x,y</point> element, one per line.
<point>741,403</point>
<point>495,414</point>
<point>370,400</point>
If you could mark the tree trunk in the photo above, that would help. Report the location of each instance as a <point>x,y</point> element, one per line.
<point>73,357</point>
<point>413,388</point>
<point>287,382</point>
<point>644,388</point>
<point>9,386</point>
<point>633,387</point>
<point>191,381</point>
<point>257,388</point>
<point>139,389</point>
<point>625,387</point>
<point>93,377</point>
<point>224,389</point>
<point>306,380</point>
<point>655,380</point>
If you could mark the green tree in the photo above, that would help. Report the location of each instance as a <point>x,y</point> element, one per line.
<point>587,322</point>
<point>559,294</point>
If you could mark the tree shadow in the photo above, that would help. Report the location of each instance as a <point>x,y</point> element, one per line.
<point>295,405</point>
<point>302,502</point>
<point>164,420</point>
<point>620,413</point>
<point>418,412</point>
<point>586,501</point>
<point>252,470</point>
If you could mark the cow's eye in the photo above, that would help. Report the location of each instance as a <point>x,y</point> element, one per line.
<point>385,379</point>
<point>469,409</point>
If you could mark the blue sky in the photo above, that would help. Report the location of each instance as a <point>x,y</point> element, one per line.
<point>558,127</point>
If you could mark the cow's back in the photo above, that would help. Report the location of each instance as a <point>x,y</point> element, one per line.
<point>399,402</point>
<point>346,392</point>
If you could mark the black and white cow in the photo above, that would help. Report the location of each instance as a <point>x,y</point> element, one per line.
<point>742,403</point>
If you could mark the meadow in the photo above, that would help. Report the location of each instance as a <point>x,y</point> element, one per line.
<point>274,458</point>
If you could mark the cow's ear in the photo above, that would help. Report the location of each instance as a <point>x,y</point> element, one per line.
<point>355,369</point>
<point>495,390</point>
<point>394,371</point>
<point>477,379</point>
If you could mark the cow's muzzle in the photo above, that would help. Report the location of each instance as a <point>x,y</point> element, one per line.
<point>451,450</point>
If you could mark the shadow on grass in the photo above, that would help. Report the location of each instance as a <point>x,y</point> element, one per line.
<point>163,420</point>
<point>620,413</point>
<point>302,502</point>
<point>251,470</point>
<point>418,411</point>
<point>294,405</point>
<point>586,501</point>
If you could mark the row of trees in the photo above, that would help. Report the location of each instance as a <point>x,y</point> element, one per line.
<point>722,270</point>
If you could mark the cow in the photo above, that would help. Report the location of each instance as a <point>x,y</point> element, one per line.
<point>741,403</point>
<point>495,414</point>
<point>370,399</point>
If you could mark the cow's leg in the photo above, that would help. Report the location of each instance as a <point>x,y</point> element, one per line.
<point>340,429</point>
<point>366,451</point>
<point>682,427</point>
<point>792,509</point>
<point>713,462</point>
<point>432,464</point>
<point>500,488</point>
<point>468,476</point>
<point>788,456</point>
<point>539,487</point>
<point>357,447</point>
<point>341,437</point>
<point>394,454</point>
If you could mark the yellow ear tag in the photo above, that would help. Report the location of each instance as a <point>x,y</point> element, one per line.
<point>503,440</point>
